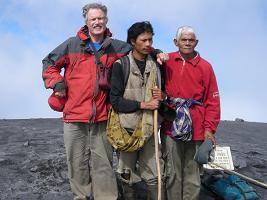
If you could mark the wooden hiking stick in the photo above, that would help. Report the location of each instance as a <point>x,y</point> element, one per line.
<point>251,180</point>
<point>156,139</point>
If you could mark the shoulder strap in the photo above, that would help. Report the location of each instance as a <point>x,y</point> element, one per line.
<point>125,63</point>
<point>106,43</point>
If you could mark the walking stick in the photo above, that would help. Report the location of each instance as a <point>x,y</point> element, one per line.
<point>157,151</point>
<point>156,138</point>
<point>251,180</point>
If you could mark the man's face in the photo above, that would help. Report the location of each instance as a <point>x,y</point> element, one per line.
<point>143,43</point>
<point>96,22</point>
<point>186,43</point>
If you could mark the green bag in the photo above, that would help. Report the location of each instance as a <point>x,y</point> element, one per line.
<point>118,136</point>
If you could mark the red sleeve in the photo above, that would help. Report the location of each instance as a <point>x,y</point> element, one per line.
<point>52,65</point>
<point>211,102</point>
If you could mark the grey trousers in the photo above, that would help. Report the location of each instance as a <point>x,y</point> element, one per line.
<point>147,168</point>
<point>89,159</point>
<point>183,173</point>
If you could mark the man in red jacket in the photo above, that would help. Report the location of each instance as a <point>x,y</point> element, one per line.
<point>89,154</point>
<point>191,88</point>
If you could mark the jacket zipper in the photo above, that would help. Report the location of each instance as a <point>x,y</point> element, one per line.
<point>92,119</point>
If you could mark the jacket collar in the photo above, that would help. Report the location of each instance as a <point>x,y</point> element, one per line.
<point>85,37</point>
<point>194,61</point>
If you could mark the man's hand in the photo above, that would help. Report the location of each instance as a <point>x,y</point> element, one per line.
<point>61,93</point>
<point>210,135</point>
<point>162,58</point>
<point>150,105</point>
<point>158,94</point>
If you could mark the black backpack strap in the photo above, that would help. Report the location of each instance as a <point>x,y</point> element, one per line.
<point>106,43</point>
<point>125,63</point>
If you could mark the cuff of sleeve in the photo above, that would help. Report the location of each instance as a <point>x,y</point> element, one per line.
<point>59,86</point>
<point>139,105</point>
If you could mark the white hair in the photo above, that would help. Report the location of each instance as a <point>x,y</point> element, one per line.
<point>183,29</point>
<point>89,6</point>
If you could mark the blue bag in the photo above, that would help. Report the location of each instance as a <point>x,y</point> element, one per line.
<point>233,188</point>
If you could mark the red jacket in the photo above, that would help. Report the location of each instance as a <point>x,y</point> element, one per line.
<point>86,102</point>
<point>194,79</point>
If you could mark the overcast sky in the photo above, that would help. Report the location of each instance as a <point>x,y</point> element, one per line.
<point>232,37</point>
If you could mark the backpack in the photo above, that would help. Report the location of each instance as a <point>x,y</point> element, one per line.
<point>232,187</point>
<point>125,62</point>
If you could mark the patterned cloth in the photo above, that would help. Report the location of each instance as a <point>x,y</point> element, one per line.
<point>182,125</point>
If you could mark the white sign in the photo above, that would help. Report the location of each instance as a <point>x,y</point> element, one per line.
<point>223,158</point>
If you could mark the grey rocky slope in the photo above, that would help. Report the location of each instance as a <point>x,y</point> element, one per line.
<point>33,163</point>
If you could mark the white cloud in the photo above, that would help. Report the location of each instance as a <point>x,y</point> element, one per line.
<point>232,37</point>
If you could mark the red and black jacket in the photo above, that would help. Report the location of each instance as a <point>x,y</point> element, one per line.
<point>86,102</point>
